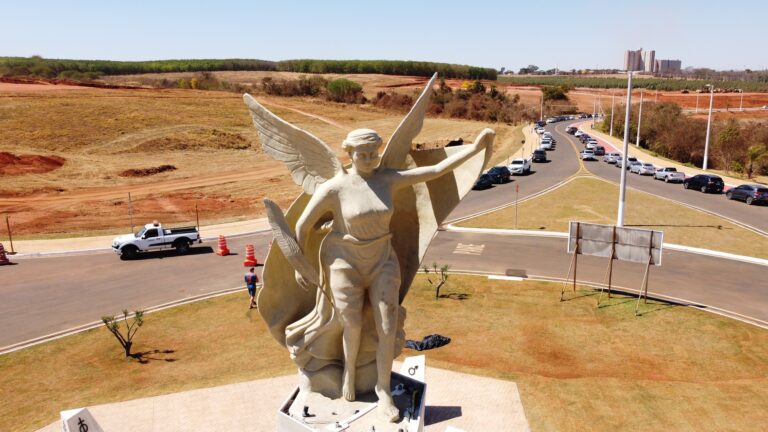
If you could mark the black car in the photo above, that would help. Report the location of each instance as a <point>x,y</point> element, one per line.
<point>705,183</point>
<point>599,150</point>
<point>541,123</point>
<point>584,137</point>
<point>750,193</point>
<point>539,156</point>
<point>500,174</point>
<point>483,182</point>
<point>571,130</point>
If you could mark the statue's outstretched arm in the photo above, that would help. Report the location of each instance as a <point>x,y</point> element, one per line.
<point>416,175</point>
<point>318,205</point>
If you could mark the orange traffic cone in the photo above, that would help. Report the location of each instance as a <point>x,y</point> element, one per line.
<point>250,257</point>
<point>223,249</point>
<point>3,259</point>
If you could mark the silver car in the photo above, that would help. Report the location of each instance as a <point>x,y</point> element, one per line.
<point>611,158</point>
<point>644,168</point>
<point>669,175</point>
<point>630,160</point>
<point>588,155</point>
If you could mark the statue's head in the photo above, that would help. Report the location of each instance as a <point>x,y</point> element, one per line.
<point>362,145</point>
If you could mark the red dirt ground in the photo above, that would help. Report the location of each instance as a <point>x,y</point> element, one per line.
<point>11,165</point>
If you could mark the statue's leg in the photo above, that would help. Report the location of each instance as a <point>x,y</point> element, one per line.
<point>384,295</point>
<point>347,290</point>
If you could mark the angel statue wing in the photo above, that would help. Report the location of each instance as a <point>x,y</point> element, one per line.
<point>399,145</point>
<point>310,161</point>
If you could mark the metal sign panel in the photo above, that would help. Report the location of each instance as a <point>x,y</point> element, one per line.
<point>624,244</point>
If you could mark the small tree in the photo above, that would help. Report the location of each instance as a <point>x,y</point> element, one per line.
<point>441,272</point>
<point>756,154</point>
<point>113,325</point>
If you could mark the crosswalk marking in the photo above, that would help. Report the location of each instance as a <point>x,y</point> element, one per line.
<point>469,249</point>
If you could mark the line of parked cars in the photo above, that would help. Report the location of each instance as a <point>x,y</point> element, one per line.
<point>592,149</point>
<point>521,166</point>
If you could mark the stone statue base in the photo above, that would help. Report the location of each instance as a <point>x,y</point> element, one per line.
<point>325,414</point>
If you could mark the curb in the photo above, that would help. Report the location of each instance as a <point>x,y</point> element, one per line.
<point>671,246</point>
<point>103,250</point>
<point>84,327</point>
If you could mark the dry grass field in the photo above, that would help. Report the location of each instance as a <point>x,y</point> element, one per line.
<point>577,367</point>
<point>207,136</point>
<point>576,201</point>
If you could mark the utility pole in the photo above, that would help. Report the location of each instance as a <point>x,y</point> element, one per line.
<point>541,116</point>
<point>613,104</point>
<point>594,108</point>
<point>639,117</point>
<point>709,125</point>
<point>623,181</point>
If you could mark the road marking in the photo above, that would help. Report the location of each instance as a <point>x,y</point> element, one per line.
<point>469,249</point>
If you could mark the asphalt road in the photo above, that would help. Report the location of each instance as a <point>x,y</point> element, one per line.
<point>755,216</point>
<point>725,284</point>
<point>41,296</point>
<point>46,295</point>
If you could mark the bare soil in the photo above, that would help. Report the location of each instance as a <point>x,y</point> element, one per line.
<point>208,136</point>
<point>12,165</point>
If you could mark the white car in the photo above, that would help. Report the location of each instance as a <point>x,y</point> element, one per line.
<point>645,168</point>
<point>539,130</point>
<point>591,145</point>
<point>578,133</point>
<point>546,144</point>
<point>520,167</point>
<point>611,158</point>
<point>588,155</point>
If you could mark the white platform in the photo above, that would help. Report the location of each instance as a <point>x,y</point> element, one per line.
<point>459,400</point>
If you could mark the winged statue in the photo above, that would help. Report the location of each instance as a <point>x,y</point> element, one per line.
<point>350,245</point>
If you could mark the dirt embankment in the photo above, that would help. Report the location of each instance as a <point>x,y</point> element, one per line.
<point>11,164</point>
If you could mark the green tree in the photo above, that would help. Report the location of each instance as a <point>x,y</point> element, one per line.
<point>442,277</point>
<point>757,154</point>
<point>344,90</point>
<point>113,325</point>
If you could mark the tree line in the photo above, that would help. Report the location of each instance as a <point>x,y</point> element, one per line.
<point>740,147</point>
<point>91,69</point>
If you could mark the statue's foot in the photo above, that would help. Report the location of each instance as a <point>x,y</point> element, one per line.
<point>348,386</point>
<point>387,406</point>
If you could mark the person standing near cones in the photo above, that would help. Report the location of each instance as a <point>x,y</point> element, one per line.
<point>250,282</point>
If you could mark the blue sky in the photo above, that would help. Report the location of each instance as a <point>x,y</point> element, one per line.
<point>565,34</point>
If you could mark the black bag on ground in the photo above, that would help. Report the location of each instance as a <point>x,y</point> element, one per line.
<point>429,342</point>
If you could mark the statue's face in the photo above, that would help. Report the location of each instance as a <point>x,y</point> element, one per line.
<point>365,161</point>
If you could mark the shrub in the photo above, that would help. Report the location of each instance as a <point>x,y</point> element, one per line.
<point>344,90</point>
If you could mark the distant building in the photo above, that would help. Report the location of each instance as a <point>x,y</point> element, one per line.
<point>649,58</point>
<point>668,67</point>
<point>633,60</point>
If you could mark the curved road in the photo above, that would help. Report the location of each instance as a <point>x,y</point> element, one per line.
<point>46,295</point>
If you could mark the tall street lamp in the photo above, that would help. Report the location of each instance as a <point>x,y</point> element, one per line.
<point>541,116</point>
<point>741,103</point>
<point>613,104</point>
<point>623,181</point>
<point>639,117</point>
<point>709,125</point>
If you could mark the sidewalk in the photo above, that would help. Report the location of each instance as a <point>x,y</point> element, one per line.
<point>643,155</point>
<point>464,401</point>
<point>85,244</point>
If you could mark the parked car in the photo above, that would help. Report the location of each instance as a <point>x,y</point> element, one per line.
<point>599,150</point>
<point>630,160</point>
<point>646,169</point>
<point>705,183</point>
<point>587,155</point>
<point>539,130</point>
<point>155,237</point>
<point>500,174</point>
<point>571,130</point>
<point>591,145</point>
<point>541,123</point>
<point>546,144</point>
<point>578,133</point>
<point>584,138</point>
<point>749,193</point>
<point>611,158</point>
<point>520,166</point>
<point>539,156</point>
<point>631,164</point>
<point>669,174</point>
<point>483,182</point>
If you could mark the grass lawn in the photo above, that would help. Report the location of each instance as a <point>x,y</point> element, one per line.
<point>593,200</point>
<point>577,367</point>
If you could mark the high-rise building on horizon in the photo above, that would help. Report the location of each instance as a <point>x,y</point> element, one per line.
<point>633,60</point>
<point>666,67</point>
<point>649,58</point>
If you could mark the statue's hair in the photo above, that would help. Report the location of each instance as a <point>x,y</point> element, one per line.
<point>361,139</point>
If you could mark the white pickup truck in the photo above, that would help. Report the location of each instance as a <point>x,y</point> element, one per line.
<point>154,237</point>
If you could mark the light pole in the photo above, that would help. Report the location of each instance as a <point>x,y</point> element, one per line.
<point>541,116</point>
<point>613,104</point>
<point>741,104</point>
<point>594,108</point>
<point>639,117</point>
<point>709,125</point>
<point>623,181</point>
<point>697,103</point>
